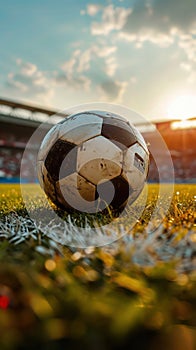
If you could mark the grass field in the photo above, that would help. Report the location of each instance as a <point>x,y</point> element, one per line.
<point>137,293</point>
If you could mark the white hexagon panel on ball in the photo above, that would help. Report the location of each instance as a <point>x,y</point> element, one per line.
<point>99,159</point>
<point>75,192</point>
<point>80,127</point>
<point>135,166</point>
<point>107,115</point>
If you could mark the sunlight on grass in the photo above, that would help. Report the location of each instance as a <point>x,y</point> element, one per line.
<point>139,290</point>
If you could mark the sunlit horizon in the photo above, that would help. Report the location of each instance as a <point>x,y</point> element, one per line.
<point>182,107</point>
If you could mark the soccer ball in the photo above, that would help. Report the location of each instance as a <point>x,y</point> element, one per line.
<point>92,161</point>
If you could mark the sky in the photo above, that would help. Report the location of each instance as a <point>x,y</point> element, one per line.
<point>140,54</point>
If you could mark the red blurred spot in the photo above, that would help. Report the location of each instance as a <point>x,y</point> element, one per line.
<point>4,302</point>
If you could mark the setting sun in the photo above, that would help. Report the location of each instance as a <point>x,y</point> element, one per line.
<point>182,107</point>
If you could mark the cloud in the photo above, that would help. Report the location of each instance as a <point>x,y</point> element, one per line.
<point>76,82</point>
<point>71,73</point>
<point>30,81</point>
<point>79,62</point>
<point>27,68</point>
<point>160,39</point>
<point>161,16</point>
<point>113,18</point>
<point>188,44</point>
<point>109,60</point>
<point>68,66</point>
<point>111,90</point>
<point>84,67</point>
<point>186,66</point>
<point>110,66</point>
<point>82,61</point>
<point>159,22</point>
<point>14,83</point>
<point>163,23</point>
<point>33,84</point>
<point>103,51</point>
<point>92,9</point>
<point>87,72</point>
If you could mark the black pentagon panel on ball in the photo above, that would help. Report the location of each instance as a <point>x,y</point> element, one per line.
<point>114,116</point>
<point>48,185</point>
<point>118,132</point>
<point>120,192</point>
<point>61,159</point>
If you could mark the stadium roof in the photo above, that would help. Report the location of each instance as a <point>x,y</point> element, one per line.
<point>32,115</point>
<point>34,109</point>
<point>24,114</point>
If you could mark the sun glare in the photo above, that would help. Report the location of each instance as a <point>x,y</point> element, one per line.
<point>182,107</point>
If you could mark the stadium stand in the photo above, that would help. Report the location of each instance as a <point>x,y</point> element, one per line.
<point>19,121</point>
<point>181,144</point>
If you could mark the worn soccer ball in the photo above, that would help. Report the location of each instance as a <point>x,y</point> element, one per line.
<point>93,161</point>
